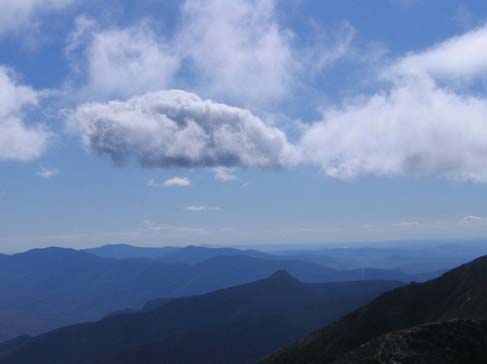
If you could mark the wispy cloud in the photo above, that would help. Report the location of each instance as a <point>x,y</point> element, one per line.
<point>46,172</point>
<point>201,208</point>
<point>172,182</point>
<point>474,220</point>
<point>24,13</point>
<point>224,174</point>
<point>18,141</point>
<point>407,223</point>
<point>99,56</point>
<point>158,227</point>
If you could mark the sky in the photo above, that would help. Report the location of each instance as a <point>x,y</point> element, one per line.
<point>164,122</point>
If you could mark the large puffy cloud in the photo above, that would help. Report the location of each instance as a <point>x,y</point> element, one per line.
<point>415,129</point>
<point>176,128</point>
<point>16,14</point>
<point>120,63</point>
<point>17,140</point>
<point>421,125</point>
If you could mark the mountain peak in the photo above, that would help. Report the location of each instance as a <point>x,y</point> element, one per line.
<point>282,275</point>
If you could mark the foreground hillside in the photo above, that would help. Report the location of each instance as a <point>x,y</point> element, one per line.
<point>234,325</point>
<point>449,342</point>
<point>461,293</point>
<point>48,288</point>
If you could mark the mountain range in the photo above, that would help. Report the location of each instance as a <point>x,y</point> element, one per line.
<point>233,325</point>
<point>43,289</point>
<point>362,322</point>
<point>423,259</point>
<point>189,254</point>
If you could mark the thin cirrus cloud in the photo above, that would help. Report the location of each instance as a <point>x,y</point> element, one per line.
<point>177,128</point>
<point>18,141</point>
<point>420,125</point>
<point>18,14</point>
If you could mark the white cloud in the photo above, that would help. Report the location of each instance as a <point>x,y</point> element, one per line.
<point>420,124</point>
<point>416,127</point>
<point>224,174</point>
<point>158,227</point>
<point>201,208</point>
<point>474,220</point>
<point>14,97</point>
<point>119,63</point>
<point>238,48</point>
<point>177,128</point>
<point>325,49</point>
<point>235,51</point>
<point>461,58</point>
<point>171,182</point>
<point>16,14</point>
<point>47,172</point>
<point>18,141</point>
<point>177,182</point>
<point>407,223</point>
<point>240,51</point>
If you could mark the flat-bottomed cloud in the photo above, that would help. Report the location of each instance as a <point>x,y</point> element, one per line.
<point>177,128</point>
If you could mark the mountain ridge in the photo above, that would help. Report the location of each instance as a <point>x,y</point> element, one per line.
<point>230,314</point>
<point>53,287</point>
<point>461,293</point>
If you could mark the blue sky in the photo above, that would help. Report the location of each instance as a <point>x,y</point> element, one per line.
<point>255,121</point>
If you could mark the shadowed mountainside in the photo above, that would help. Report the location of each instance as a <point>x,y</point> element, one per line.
<point>460,293</point>
<point>448,342</point>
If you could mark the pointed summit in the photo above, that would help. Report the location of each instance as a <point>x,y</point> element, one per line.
<point>282,274</point>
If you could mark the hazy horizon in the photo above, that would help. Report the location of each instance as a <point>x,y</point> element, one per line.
<point>426,244</point>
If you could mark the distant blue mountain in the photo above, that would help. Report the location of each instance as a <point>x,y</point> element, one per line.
<point>190,254</point>
<point>422,260</point>
<point>235,325</point>
<point>416,258</point>
<point>47,288</point>
<point>124,251</point>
